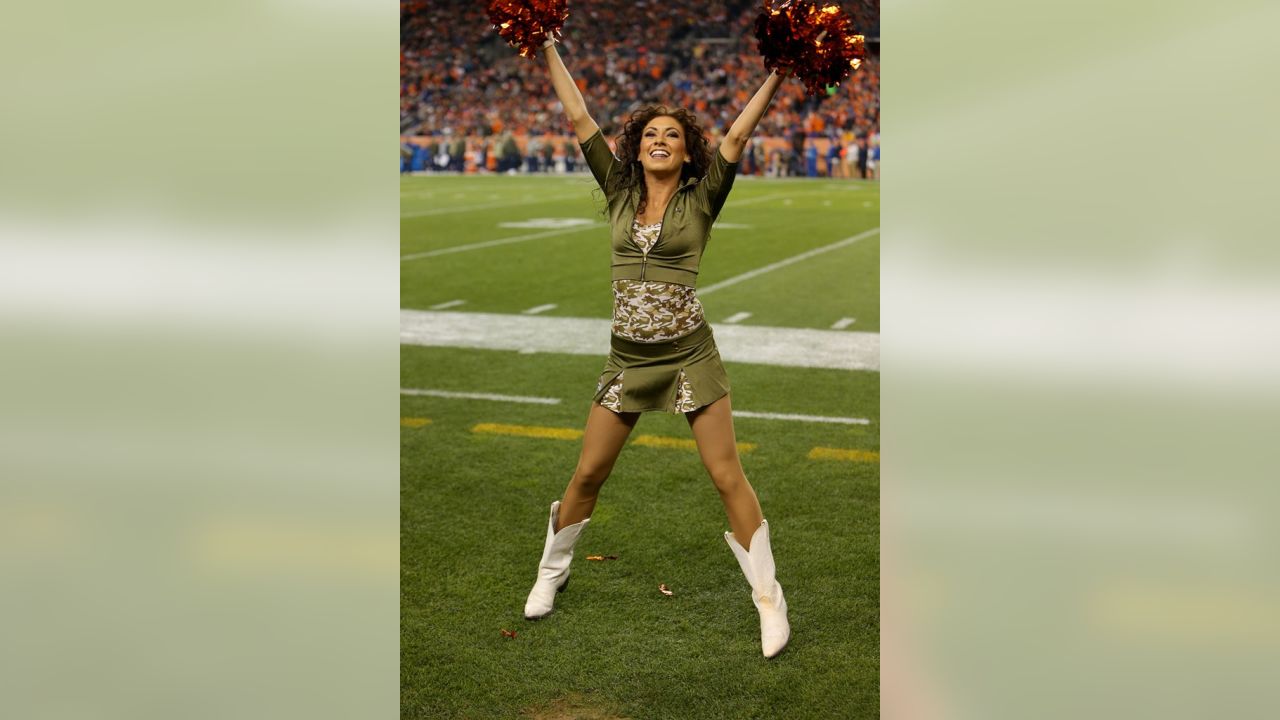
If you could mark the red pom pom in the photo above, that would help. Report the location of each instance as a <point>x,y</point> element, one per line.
<point>813,41</point>
<point>526,24</point>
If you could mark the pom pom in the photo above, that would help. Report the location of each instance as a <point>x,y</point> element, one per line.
<point>811,40</point>
<point>527,24</point>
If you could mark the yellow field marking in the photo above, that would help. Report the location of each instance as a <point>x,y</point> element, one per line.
<point>661,441</point>
<point>826,453</point>
<point>553,433</point>
<point>414,422</point>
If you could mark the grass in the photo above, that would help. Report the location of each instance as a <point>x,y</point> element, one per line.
<point>473,505</point>
<point>572,270</point>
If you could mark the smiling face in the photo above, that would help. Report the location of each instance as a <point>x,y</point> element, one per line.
<point>662,148</point>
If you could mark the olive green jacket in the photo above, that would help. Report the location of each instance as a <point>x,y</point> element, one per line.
<point>686,224</point>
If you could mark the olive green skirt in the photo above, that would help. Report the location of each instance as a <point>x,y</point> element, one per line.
<point>652,370</point>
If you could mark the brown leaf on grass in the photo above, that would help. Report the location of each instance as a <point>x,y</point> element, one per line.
<point>602,557</point>
<point>665,591</point>
<point>509,634</point>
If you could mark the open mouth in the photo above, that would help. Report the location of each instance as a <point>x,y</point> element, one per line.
<point>659,154</point>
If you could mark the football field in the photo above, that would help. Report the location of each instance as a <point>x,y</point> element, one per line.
<point>505,300</point>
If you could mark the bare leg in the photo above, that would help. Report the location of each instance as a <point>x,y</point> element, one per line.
<point>606,432</point>
<point>713,430</point>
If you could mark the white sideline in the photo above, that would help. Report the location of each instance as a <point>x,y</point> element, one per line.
<point>501,241</point>
<point>485,206</point>
<point>789,261</point>
<point>556,401</point>
<point>481,396</point>
<point>801,418</point>
<point>788,347</point>
<point>749,201</point>
<point>533,236</point>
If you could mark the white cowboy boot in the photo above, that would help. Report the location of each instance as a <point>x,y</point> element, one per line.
<point>553,571</point>
<point>766,593</point>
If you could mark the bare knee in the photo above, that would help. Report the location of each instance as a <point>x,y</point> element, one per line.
<point>590,478</point>
<point>728,478</point>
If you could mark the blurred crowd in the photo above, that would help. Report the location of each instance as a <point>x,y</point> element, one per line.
<point>458,78</point>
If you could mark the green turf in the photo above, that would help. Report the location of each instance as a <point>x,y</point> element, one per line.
<point>785,218</point>
<point>473,521</point>
<point>473,506</point>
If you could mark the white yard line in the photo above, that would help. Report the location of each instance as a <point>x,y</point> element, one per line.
<point>553,198</point>
<point>787,196</point>
<point>790,347</point>
<point>480,396</point>
<point>540,309</point>
<point>801,418</point>
<point>447,305</point>
<point>453,395</point>
<point>750,201</point>
<point>486,206</point>
<point>583,191</point>
<point>495,243</point>
<point>737,317</point>
<point>843,323</point>
<point>789,261</point>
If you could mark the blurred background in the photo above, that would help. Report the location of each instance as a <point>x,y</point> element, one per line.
<point>198,269</point>
<point>1081,365</point>
<point>198,453</point>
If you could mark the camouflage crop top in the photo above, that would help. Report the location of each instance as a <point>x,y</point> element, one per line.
<point>649,311</point>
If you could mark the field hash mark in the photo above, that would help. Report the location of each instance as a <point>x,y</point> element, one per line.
<point>414,422</point>
<point>662,441</point>
<point>849,455</point>
<point>533,431</point>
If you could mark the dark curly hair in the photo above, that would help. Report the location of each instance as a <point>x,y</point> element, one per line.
<point>632,173</point>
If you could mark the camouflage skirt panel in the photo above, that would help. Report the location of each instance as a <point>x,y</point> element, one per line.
<point>644,377</point>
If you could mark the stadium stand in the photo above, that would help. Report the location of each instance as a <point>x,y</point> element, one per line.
<point>469,103</point>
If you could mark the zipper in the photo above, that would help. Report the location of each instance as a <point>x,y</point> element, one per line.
<point>644,254</point>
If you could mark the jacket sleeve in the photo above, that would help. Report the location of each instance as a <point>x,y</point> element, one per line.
<point>599,158</point>
<point>718,183</point>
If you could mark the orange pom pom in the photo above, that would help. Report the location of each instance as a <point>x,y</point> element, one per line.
<point>811,40</point>
<point>526,24</point>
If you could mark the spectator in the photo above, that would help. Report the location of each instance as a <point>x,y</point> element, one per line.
<point>548,156</point>
<point>457,76</point>
<point>873,164</point>
<point>833,155</point>
<point>570,150</point>
<point>850,155</point>
<point>795,163</point>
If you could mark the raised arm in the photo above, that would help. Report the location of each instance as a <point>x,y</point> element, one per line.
<point>740,132</point>
<point>574,106</point>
